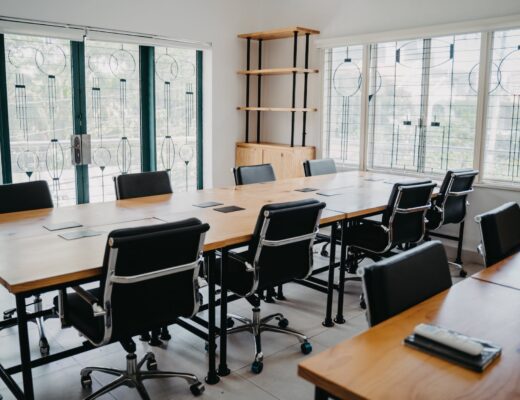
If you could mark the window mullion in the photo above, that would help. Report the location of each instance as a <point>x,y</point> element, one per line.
<point>5,148</point>
<point>423,115</point>
<point>363,129</point>
<point>486,50</point>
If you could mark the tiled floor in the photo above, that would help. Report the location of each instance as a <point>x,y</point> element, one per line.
<point>304,308</point>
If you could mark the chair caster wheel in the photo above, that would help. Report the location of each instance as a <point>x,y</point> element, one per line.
<point>86,381</point>
<point>151,364</point>
<point>463,273</point>
<point>363,304</point>
<point>44,347</point>
<point>154,341</point>
<point>283,323</point>
<point>197,389</point>
<point>257,367</point>
<point>145,337</point>
<point>230,323</point>
<point>324,253</point>
<point>306,348</point>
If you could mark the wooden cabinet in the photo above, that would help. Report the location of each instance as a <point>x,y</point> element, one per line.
<point>287,161</point>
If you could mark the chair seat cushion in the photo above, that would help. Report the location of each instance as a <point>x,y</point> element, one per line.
<point>79,314</point>
<point>368,235</point>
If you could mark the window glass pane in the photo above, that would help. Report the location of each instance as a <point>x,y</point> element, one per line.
<point>40,113</point>
<point>502,140</point>
<point>342,104</point>
<point>113,114</point>
<point>176,130</point>
<point>423,103</point>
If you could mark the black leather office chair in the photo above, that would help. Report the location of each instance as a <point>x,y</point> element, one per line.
<point>24,197</point>
<point>500,233</point>
<point>149,280</point>
<point>314,168</point>
<point>249,174</point>
<point>319,167</point>
<point>404,280</point>
<point>449,207</point>
<point>143,184</point>
<point>402,223</point>
<point>280,251</point>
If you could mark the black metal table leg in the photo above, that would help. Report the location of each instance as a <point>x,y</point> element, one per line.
<point>460,239</point>
<point>320,394</point>
<point>212,377</point>
<point>330,288</point>
<point>25,353</point>
<point>11,384</point>
<point>342,265</point>
<point>223,369</point>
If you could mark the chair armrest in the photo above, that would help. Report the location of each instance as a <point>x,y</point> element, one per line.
<point>241,259</point>
<point>90,299</point>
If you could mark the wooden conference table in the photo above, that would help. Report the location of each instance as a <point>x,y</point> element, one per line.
<point>377,365</point>
<point>34,260</point>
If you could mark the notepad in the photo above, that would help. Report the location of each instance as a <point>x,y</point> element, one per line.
<point>62,225</point>
<point>306,189</point>
<point>476,363</point>
<point>79,234</point>
<point>228,209</point>
<point>208,204</point>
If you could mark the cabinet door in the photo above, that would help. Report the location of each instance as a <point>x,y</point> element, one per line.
<point>275,158</point>
<point>292,164</point>
<point>248,156</point>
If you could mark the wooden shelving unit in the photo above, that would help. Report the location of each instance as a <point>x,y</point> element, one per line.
<point>286,159</point>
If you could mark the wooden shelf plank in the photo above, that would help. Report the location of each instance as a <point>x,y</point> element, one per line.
<point>277,109</point>
<point>278,33</point>
<point>278,71</point>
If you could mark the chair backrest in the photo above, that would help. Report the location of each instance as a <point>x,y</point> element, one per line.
<point>401,281</point>
<point>150,276</point>
<point>500,232</point>
<point>319,167</point>
<point>281,247</point>
<point>248,174</point>
<point>142,184</point>
<point>451,199</point>
<point>25,196</point>
<point>406,210</point>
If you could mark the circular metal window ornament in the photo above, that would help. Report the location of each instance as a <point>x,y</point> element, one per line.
<point>347,78</point>
<point>474,75</point>
<point>510,73</point>
<point>122,63</point>
<point>28,161</point>
<point>166,68</point>
<point>101,157</point>
<point>52,60</point>
<point>187,69</point>
<point>186,153</point>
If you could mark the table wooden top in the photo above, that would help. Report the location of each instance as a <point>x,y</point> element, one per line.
<point>505,272</point>
<point>33,258</point>
<point>377,365</point>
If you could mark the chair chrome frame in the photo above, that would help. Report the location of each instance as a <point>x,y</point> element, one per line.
<point>481,249</point>
<point>133,376</point>
<point>257,325</point>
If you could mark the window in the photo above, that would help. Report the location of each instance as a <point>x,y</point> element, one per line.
<point>50,82</point>
<point>113,114</point>
<point>423,104</point>
<point>502,141</point>
<point>40,113</point>
<point>175,102</point>
<point>343,67</point>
